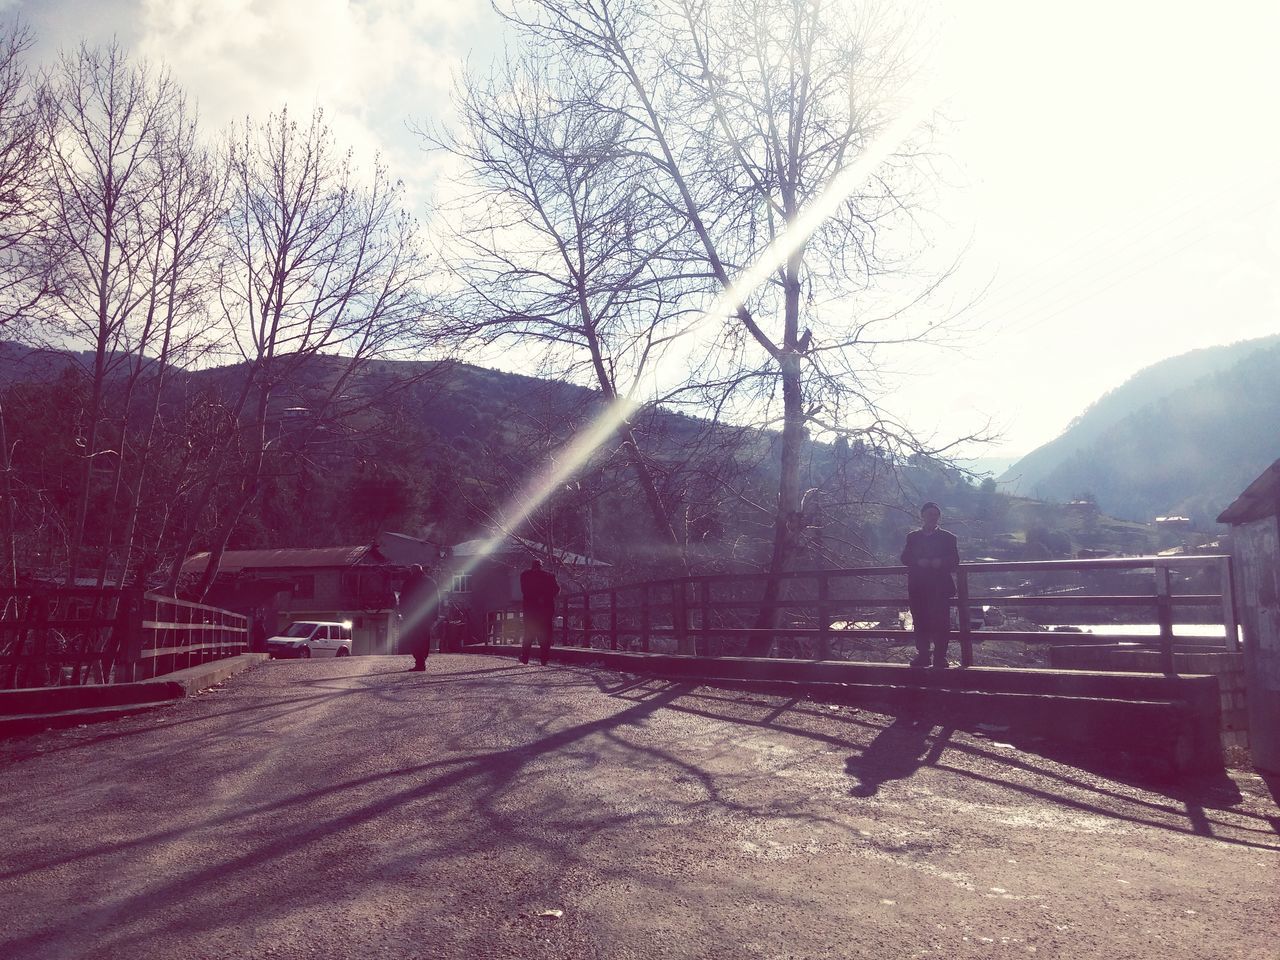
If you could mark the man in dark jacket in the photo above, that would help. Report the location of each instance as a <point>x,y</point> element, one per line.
<point>418,599</point>
<point>931,555</point>
<point>538,589</point>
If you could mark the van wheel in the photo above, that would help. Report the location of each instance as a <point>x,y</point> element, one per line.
<point>305,653</point>
<point>342,652</point>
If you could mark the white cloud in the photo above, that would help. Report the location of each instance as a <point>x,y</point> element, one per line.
<point>371,65</point>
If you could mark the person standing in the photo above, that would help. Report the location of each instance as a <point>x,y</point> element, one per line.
<point>417,610</point>
<point>538,590</point>
<point>931,555</point>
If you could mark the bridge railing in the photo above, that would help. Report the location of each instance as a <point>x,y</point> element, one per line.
<point>820,610</point>
<point>79,635</point>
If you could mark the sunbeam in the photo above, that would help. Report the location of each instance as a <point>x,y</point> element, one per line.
<point>574,455</point>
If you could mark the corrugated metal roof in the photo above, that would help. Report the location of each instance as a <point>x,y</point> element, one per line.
<point>233,561</point>
<point>1260,499</point>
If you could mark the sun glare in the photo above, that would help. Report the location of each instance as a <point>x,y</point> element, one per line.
<point>575,454</point>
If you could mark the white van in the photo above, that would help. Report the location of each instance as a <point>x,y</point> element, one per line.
<point>312,638</point>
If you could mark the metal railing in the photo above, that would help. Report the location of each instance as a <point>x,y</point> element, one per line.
<point>711,615</point>
<point>175,634</point>
<point>67,636</point>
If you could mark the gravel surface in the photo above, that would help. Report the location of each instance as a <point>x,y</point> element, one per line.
<point>348,808</point>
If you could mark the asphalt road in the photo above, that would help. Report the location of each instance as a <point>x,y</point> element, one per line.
<point>346,808</point>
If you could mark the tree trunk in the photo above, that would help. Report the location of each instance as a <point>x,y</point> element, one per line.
<point>6,490</point>
<point>252,483</point>
<point>90,451</point>
<point>190,525</point>
<point>787,519</point>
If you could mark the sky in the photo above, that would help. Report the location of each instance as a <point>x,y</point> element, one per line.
<point>1114,165</point>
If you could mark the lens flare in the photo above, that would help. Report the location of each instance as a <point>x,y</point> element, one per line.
<point>575,454</point>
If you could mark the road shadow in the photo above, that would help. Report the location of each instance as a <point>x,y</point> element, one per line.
<point>896,753</point>
<point>897,745</point>
<point>516,773</point>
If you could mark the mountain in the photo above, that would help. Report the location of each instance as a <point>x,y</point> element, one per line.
<point>987,466</point>
<point>1182,437</point>
<point>445,449</point>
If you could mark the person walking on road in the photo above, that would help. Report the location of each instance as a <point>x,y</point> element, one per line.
<point>931,555</point>
<point>538,589</point>
<point>417,610</point>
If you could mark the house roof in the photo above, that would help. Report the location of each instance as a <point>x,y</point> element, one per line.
<point>1260,499</point>
<point>509,546</point>
<point>233,561</point>
<point>403,549</point>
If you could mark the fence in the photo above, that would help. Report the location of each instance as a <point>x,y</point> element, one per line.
<point>68,636</point>
<point>820,609</point>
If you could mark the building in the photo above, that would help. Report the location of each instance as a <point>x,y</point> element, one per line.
<point>481,580</point>
<point>357,583</point>
<point>479,584</point>
<point>1254,517</point>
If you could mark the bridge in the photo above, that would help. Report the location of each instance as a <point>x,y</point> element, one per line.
<point>348,808</point>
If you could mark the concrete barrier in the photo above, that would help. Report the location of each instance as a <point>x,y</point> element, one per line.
<point>1227,666</point>
<point>1166,726</point>
<point>28,710</point>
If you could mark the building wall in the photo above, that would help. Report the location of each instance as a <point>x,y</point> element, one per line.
<point>372,631</point>
<point>1256,547</point>
<point>494,585</point>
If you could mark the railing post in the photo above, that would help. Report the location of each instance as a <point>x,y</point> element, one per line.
<point>189,619</point>
<point>586,619</point>
<point>644,618</point>
<point>704,591</point>
<point>966,636</point>
<point>680,616</point>
<point>128,630</point>
<point>1164,615</point>
<point>1230,621</point>
<point>564,632</point>
<point>613,619</point>
<point>824,618</point>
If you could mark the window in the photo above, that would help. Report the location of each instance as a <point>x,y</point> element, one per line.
<point>304,587</point>
<point>461,583</point>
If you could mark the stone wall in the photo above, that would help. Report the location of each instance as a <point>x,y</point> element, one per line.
<point>1229,668</point>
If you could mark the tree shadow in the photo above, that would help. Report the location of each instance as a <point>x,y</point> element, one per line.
<point>485,795</point>
<point>1131,798</point>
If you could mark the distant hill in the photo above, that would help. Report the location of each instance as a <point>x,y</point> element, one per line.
<point>19,362</point>
<point>1181,437</point>
<point>443,449</point>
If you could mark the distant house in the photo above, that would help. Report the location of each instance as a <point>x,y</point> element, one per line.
<point>357,583</point>
<point>479,583</point>
<point>481,579</point>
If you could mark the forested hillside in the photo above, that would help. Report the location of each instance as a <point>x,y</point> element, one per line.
<point>1182,437</point>
<point>446,451</point>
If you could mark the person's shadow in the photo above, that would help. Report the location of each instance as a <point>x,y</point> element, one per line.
<point>897,752</point>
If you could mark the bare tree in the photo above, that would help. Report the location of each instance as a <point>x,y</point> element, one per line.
<point>322,273</point>
<point>107,122</point>
<point>560,249</point>
<point>21,280</point>
<point>184,211</point>
<point>746,112</point>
